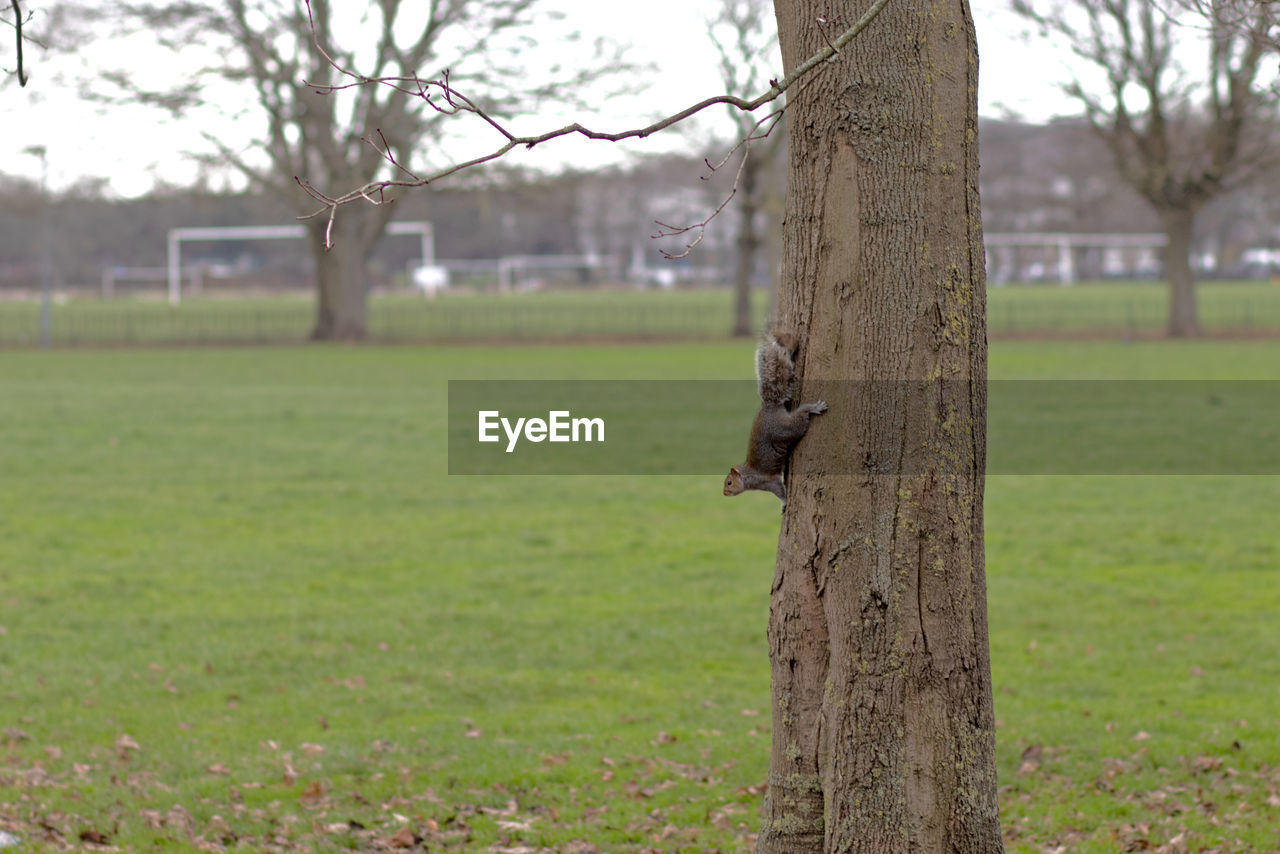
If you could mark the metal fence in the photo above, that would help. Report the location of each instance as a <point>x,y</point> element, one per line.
<point>547,317</point>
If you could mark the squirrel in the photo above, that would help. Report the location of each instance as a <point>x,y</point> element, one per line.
<point>777,427</point>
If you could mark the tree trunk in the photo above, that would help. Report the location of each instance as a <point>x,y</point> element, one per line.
<point>883,729</point>
<point>342,287</point>
<point>748,245</point>
<point>1183,319</point>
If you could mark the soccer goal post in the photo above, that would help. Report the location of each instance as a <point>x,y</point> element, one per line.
<point>1059,249</point>
<point>270,232</point>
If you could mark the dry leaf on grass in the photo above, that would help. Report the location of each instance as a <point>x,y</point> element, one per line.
<point>96,837</point>
<point>403,838</point>
<point>312,795</point>
<point>1030,759</point>
<point>124,744</point>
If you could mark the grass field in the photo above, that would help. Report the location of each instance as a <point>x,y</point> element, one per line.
<point>1110,309</point>
<point>242,606</point>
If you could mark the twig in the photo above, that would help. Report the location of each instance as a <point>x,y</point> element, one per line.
<point>17,26</point>
<point>665,230</point>
<point>455,102</point>
<point>385,151</point>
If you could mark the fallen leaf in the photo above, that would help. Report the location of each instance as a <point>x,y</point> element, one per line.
<point>1030,759</point>
<point>403,838</point>
<point>1142,735</point>
<point>53,752</point>
<point>218,827</point>
<point>312,795</point>
<point>218,769</point>
<point>178,818</point>
<point>97,837</point>
<point>311,749</point>
<point>1205,764</point>
<point>124,744</point>
<point>664,738</point>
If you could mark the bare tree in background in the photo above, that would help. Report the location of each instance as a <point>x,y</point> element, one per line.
<point>271,50</point>
<point>1177,137</point>
<point>744,33</point>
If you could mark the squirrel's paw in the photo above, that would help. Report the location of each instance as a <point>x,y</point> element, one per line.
<point>819,407</point>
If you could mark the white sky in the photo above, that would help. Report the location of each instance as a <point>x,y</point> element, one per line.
<point>132,147</point>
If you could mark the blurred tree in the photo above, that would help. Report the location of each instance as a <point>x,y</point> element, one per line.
<point>1177,137</point>
<point>266,52</point>
<point>745,36</point>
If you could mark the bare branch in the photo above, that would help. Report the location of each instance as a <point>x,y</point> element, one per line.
<point>17,26</point>
<point>387,154</point>
<point>744,144</point>
<point>455,102</point>
<point>1175,149</point>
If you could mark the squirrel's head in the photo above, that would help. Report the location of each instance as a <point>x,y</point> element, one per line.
<point>733,482</point>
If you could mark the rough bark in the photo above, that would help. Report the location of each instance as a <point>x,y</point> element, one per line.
<point>883,737</point>
<point>1178,224</point>
<point>748,243</point>
<point>342,288</point>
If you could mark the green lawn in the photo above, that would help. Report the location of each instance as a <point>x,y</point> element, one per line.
<point>241,604</point>
<point>1107,309</point>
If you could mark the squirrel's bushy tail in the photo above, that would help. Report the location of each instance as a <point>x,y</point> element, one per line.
<point>775,368</point>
